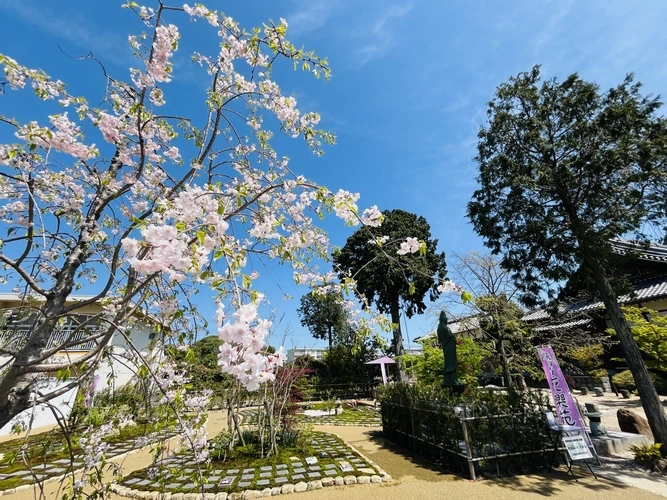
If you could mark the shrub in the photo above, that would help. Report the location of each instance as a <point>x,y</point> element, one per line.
<point>624,380</point>
<point>647,454</point>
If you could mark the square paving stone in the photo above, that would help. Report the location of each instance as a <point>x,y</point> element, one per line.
<point>267,468</point>
<point>263,482</point>
<point>266,474</point>
<point>367,470</point>
<point>213,479</point>
<point>314,467</point>
<point>282,472</point>
<point>61,461</point>
<point>208,486</point>
<point>297,464</point>
<point>56,470</point>
<point>233,471</point>
<point>314,474</point>
<point>189,486</point>
<point>299,471</point>
<point>280,480</point>
<point>248,477</point>
<point>330,472</point>
<point>330,466</point>
<point>144,482</point>
<point>243,484</point>
<point>132,481</point>
<point>281,466</point>
<point>173,486</point>
<point>246,471</point>
<point>297,477</point>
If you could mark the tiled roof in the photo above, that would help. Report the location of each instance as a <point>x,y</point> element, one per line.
<point>567,324</point>
<point>649,288</point>
<point>653,253</point>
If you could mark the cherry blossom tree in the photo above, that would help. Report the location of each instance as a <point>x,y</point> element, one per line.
<point>145,206</point>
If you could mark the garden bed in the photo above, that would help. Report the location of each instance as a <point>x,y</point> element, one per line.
<point>50,455</point>
<point>323,459</point>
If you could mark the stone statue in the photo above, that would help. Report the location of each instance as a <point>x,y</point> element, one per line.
<point>447,341</point>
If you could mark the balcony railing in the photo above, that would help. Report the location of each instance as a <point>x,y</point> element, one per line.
<point>16,337</point>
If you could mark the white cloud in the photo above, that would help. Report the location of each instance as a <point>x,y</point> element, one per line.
<point>376,41</point>
<point>310,15</point>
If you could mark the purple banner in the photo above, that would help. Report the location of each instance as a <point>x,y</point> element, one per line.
<point>566,409</point>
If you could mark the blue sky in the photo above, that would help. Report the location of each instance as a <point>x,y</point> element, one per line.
<point>410,84</point>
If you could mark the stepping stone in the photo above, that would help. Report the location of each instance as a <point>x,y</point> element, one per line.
<point>145,482</point>
<point>314,474</point>
<point>367,471</point>
<point>218,472</point>
<point>132,481</point>
<point>62,461</point>
<point>208,486</point>
<point>248,477</point>
<point>173,486</point>
<point>263,482</point>
<point>280,480</point>
<point>356,460</point>
<point>282,472</point>
<point>330,466</point>
<point>297,464</point>
<point>281,466</point>
<point>266,474</point>
<point>213,479</point>
<point>246,471</point>
<point>330,472</point>
<point>296,477</point>
<point>299,471</point>
<point>314,467</point>
<point>188,471</point>
<point>233,471</point>
<point>267,468</point>
<point>243,484</point>
<point>189,486</point>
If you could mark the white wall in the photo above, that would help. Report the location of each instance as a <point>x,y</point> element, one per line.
<point>42,415</point>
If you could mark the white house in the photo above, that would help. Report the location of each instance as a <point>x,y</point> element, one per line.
<point>119,369</point>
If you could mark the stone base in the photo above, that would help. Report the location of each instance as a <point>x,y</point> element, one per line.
<point>456,389</point>
<point>617,442</point>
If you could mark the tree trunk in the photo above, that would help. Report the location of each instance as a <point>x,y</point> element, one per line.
<point>330,338</point>
<point>655,414</point>
<point>18,385</point>
<point>505,364</point>
<point>398,338</point>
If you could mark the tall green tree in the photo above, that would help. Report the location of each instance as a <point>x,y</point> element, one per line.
<point>563,169</point>
<point>391,281</point>
<point>323,313</point>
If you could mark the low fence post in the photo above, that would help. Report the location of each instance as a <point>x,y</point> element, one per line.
<point>466,439</point>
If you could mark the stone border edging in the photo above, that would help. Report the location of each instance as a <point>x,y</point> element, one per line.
<point>299,487</point>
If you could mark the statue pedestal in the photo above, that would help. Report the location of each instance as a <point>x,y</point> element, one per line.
<point>455,388</point>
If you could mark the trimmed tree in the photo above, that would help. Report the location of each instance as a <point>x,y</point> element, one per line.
<point>388,279</point>
<point>563,169</point>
